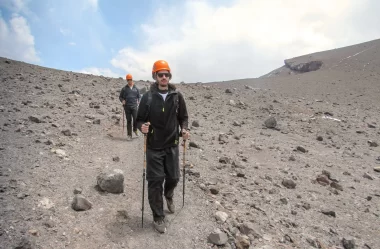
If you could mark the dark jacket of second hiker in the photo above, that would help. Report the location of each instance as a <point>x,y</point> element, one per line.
<point>165,122</point>
<point>131,96</point>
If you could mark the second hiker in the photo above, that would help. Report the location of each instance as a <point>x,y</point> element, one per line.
<point>130,98</point>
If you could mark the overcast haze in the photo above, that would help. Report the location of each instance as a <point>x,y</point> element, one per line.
<point>202,40</point>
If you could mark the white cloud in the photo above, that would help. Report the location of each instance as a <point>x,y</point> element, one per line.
<point>93,4</point>
<point>246,39</point>
<point>65,32</point>
<point>100,71</point>
<point>16,40</point>
<point>72,43</point>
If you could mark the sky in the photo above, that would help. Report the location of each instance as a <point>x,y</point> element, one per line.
<point>202,40</point>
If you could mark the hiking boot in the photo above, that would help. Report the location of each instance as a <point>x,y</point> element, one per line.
<point>160,226</point>
<point>137,134</point>
<point>171,206</point>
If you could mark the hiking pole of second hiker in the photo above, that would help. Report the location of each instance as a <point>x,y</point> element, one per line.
<point>123,118</point>
<point>144,170</point>
<point>183,173</point>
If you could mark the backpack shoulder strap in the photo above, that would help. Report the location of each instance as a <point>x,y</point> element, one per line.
<point>148,102</point>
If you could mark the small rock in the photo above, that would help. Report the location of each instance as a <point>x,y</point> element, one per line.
<point>228,90</point>
<point>348,244</point>
<point>368,176</point>
<point>377,169</point>
<point>224,160</point>
<point>270,123</point>
<point>248,228</point>
<point>218,238</point>
<point>66,132</point>
<point>236,123</point>
<point>302,149</point>
<point>290,184</point>
<point>240,174</point>
<point>96,121</point>
<point>242,242</point>
<point>329,213</point>
<point>232,103</point>
<point>77,191</point>
<point>214,191</point>
<point>323,180</point>
<point>371,126</point>
<point>221,216</point>
<point>33,232</point>
<point>336,186</point>
<point>116,159</point>
<point>193,144</point>
<point>34,119</point>
<point>195,123</point>
<point>373,144</point>
<point>319,138</point>
<point>80,203</point>
<point>284,201</point>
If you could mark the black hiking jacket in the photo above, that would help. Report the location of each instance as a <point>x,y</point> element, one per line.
<point>131,96</point>
<point>165,122</point>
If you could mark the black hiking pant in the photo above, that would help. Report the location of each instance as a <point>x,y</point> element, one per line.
<point>162,174</point>
<point>131,112</point>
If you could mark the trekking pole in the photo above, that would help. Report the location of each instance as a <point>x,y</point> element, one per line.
<point>142,210</point>
<point>183,173</point>
<point>123,119</point>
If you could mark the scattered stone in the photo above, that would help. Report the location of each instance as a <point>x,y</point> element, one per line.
<point>96,121</point>
<point>34,119</point>
<point>236,123</point>
<point>292,158</point>
<point>77,191</point>
<point>323,180</point>
<point>336,186</point>
<point>319,138</point>
<point>348,244</point>
<point>67,132</point>
<point>301,149</point>
<point>368,176</point>
<point>242,242</point>
<point>329,213</point>
<point>306,206</point>
<point>80,203</point>
<point>221,216</point>
<point>228,90</point>
<point>224,160</point>
<point>193,144</point>
<point>232,103</point>
<point>122,215</point>
<point>270,123</point>
<point>195,123</point>
<point>116,159</point>
<point>214,191</point>
<point>111,182</point>
<point>218,237</point>
<point>371,126</point>
<point>290,184</point>
<point>373,144</point>
<point>248,228</point>
<point>377,169</point>
<point>33,232</point>
<point>22,195</point>
<point>240,174</point>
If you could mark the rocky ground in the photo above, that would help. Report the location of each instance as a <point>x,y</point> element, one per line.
<point>289,160</point>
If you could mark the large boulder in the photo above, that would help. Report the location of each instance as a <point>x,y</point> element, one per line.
<point>112,182</point>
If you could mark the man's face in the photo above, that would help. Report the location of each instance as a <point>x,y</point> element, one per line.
<point>130,82</point>
<point>163,78</point>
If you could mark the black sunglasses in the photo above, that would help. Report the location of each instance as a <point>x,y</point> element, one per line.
<point>160,75</point>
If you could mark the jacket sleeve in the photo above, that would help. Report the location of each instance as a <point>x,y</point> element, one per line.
<point>183,117</point>
<point>142,111</point>
<point>121,96</point>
